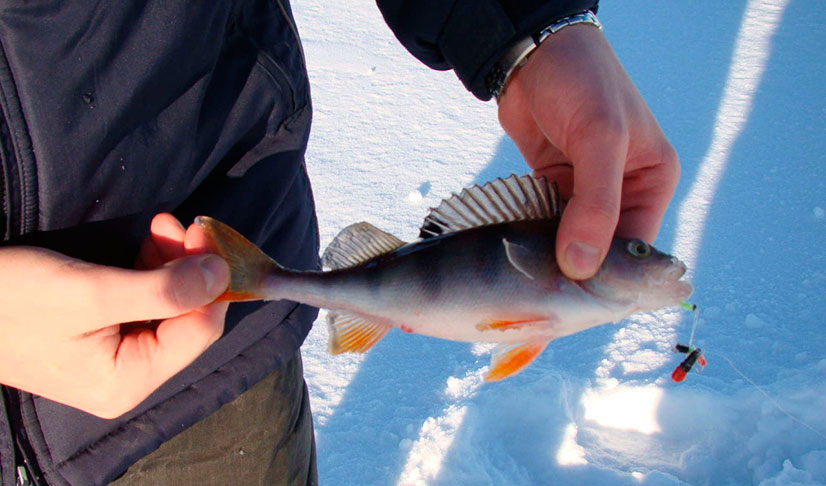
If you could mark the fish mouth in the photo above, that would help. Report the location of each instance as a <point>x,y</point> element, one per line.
<point>676,270</point>
<point>671,279</point>
<point>684,289</point>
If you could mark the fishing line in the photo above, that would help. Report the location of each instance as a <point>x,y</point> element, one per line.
<point>691,351</point>
<point>766,394</point>
<point>696,310</point>
<point>694,326</point>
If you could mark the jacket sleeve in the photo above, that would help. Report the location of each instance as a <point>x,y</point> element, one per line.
<point>469,36</point>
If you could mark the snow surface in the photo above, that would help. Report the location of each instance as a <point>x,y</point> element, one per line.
<point>740,90</point>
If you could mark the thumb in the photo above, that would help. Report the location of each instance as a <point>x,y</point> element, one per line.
<point>168,291</point>
<point>590,218</point>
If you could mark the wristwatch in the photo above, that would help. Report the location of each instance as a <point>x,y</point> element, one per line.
<point>518,54</point>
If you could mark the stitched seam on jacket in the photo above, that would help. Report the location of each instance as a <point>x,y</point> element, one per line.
<point>10,166</point>
<point>21,149</point>
<point>291,22</point>
<point>270,60</point>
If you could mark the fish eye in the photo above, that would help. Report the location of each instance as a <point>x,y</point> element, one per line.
<point>639,248</point>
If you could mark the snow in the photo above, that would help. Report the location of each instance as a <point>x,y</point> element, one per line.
<point>738,88</point>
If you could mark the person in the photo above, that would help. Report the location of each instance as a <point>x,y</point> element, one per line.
<point>116,363</point>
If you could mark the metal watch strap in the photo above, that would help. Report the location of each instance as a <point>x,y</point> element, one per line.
<point>518,54</point>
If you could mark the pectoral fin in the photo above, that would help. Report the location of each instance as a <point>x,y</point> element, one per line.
<point>353,334</point>
<point>535,266</point>
<point>509,359</point>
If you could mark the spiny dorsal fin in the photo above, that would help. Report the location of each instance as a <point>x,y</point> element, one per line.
<point>358,243</point>
<point>515,198</point>
<point>352,334</point>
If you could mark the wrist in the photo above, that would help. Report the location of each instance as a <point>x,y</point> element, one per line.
<point>502,71</point>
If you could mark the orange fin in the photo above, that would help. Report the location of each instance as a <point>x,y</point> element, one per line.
<point>504,325</point>
<point>232,296</point>
<point>352,334</point>
<point>510,359</point>
<point>248,265</point>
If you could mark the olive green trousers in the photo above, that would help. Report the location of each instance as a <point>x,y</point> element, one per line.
<point>263,437</point>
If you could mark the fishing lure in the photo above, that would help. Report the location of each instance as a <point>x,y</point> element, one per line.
<point>694,355</point>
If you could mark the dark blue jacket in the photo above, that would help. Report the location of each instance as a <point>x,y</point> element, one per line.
<point>111,112</point>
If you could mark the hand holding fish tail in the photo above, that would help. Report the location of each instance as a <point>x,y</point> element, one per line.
<point>577,119</point>
<point>62,333</point>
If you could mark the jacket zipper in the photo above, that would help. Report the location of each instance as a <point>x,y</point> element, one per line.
<point>27,469</point>
<point>22,477</point>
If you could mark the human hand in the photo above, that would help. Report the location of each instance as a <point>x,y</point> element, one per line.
<point>577,119</point>
<point>60,319</point>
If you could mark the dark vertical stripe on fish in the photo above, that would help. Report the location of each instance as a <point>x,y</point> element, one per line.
<point>485,262</point>
<point>374,281</point>
<point>429,271</point>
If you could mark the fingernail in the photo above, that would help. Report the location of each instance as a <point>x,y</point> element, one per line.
<point>215,272</point>
<point>178,224</point>
<point>582,258</point>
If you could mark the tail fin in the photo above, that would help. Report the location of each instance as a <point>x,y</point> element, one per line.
<point>249,266</point>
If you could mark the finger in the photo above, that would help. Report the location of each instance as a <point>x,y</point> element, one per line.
<point>591,216</point>
<point>196,241</point>
<point>168,234</point>
<point>146,359</point>
<point>563,175</point>
<point>646,194</point>
<point>109,295</point>
<point>149,256</point>
<point>164,243</point>
<point>642,220</point>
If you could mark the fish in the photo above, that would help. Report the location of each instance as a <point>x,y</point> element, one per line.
<point>482,270</point>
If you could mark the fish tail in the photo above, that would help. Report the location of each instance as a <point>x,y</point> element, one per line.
<point>251,270</point>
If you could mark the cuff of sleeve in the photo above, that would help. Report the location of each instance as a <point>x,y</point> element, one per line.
<point>478,33</point>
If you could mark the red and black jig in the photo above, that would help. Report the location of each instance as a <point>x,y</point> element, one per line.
<point>695,355</point>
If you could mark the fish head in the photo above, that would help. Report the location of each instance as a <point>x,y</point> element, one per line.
<point>637,274</point>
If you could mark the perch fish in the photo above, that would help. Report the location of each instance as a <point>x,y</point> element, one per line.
<point>483,270</point>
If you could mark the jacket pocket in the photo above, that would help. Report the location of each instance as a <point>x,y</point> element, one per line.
<point>268,25</point>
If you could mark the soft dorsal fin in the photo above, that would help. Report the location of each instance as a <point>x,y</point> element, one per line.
<point>515,198</point>
<point>358,243</point>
